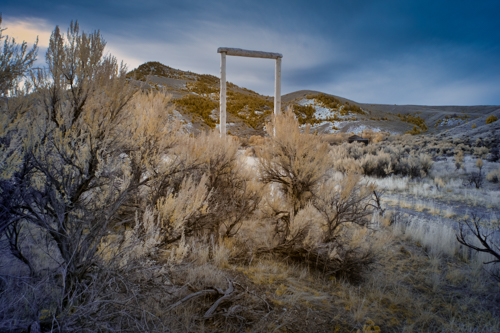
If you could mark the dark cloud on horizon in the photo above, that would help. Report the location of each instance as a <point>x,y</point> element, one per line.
<point>390,51</point>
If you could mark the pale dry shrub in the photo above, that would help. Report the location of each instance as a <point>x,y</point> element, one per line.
<point>374,137</point>
<point>459,159</point>
<point>379,165</point>
<point>74,181</point>
<point>380,161</point>
<point>307,227</point>
<point>256,140</point>
<point>178,214</point>
<point>210,165</point>
<point>293,160</point>
<point>347,165</point>
<point>439,182</point>
<point>179,252</point>
<point>335,138</point>
<point>234,190</point>
<point>139,242</point>
<point>343,161</point>
<point>96,156</point>
<point>481,152</point>
<point>414,166</point>
<point>493,176</point>
<point>250,151</point>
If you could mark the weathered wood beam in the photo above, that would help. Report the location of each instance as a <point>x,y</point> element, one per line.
<point>248,53</point>
<point>277,88</point>
<point>222,116</point>
<point>253,54</point>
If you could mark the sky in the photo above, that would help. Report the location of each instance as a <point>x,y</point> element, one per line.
<point>425,52</point>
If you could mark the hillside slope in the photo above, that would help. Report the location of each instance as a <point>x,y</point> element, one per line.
<point>196,97</point>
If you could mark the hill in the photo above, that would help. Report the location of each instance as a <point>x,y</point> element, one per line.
<point>197,97</point>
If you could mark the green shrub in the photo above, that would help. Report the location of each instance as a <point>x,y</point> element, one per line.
<point>416,120</point>
<point>331,102</point>
<point>199,105</point>
<point>305,114</point>
<point>491,119</point>
<point>252,109</point>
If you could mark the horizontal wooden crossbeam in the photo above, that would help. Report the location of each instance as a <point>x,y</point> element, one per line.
<point>225,51</point>
<point>248,53</point>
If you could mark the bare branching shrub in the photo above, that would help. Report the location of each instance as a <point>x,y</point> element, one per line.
<point>482,238</point>
<point>494,155</point>
<point>347,257</point>
<point>475,179</point>
<point>68,182</point>
<point>347,201</point>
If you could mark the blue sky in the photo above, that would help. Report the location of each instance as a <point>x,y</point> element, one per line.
<point>394,51</point>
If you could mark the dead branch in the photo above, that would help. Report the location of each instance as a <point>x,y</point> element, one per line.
<point>227,294</point>
<point>193,295</point>
<point>487,246</point>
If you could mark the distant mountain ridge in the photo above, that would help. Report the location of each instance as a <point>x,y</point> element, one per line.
<point>197,101</point>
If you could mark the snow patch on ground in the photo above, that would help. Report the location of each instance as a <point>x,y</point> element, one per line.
<point>361,128</point>
<point>187,126</point>
<point>452,122</point>
<point>321,112</point>
<point>214,114</point>
<point>227,124</point>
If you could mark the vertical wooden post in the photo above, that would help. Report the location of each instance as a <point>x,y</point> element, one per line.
<point>222,116</point>
<point>246,53</point>
<point>277,88</point>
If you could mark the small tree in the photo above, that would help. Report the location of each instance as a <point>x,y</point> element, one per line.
<point>347,201</point>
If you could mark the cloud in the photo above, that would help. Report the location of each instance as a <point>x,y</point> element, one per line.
<point>27,29</point>
<point>195,49</point>
<point>416,51</point>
